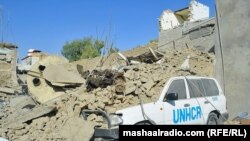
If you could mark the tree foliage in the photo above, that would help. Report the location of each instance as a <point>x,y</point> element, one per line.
<point>82,49</point>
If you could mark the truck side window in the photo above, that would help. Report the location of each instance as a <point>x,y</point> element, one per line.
<point>178,86</point>
<point>210,87</point>
<point>195,88</point>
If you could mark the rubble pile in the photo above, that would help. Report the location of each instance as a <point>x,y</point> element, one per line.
<point>112,60</point>
<point>64,123</point>
<point>147,80</point>
<point>144,80</point>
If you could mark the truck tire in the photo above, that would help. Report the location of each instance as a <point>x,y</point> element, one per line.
<point>221,120</point>
<point>213,119</point>
<point>143,123</point>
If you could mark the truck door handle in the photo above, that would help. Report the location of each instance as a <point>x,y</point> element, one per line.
<point>187,105</point>
<point>206,102</point>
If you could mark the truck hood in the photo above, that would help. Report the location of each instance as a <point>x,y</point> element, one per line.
<point>134,114</point>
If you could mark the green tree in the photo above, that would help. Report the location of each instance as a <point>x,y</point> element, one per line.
<point>82,49</point>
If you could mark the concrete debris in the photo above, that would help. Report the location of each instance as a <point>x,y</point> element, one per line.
<point>119,82</point>
<point>8,64</point>
<point>26,114</point>
<point>91,117</point>
<point>49,76</point>
<point>21,101</point>
<point>150,83</point>
<point>153,53</point>
<point>185,65</point>
<point>107,90</point>
<point>129,88</point>
<point>148,57</point>
<point>123,57</point>
<point>7,90</point>
<point>133,62</point>
<point>76,129</point>
<point>57,75</point>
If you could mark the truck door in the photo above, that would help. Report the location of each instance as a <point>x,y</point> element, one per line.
<point>196,92</point>
<point>213,101</point>
<point>183,110</point>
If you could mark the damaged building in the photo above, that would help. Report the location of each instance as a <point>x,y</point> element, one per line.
<point>187,27</point>
<point>8,63</point>
<point>194,12</point>
<point>32,57</point>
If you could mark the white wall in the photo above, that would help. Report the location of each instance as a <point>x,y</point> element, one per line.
<point>168,20</point>
<point>198,11</point>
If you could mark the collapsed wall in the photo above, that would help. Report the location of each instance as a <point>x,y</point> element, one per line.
<point>199,34</point>
<point>8,60</point>
<point>8,64</point>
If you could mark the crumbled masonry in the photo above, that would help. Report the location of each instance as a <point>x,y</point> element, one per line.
<point>120,89</point>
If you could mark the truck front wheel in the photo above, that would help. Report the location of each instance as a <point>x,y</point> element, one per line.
<point>143,123</point>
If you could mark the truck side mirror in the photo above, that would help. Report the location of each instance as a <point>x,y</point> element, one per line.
<point>171,96</point>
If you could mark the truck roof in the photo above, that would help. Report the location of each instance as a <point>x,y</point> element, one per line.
<point>194,77</point>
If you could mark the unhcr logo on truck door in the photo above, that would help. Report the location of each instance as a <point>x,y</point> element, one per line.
<point>186,114</point>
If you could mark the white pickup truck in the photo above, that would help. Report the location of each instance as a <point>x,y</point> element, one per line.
<point>184,100</point>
